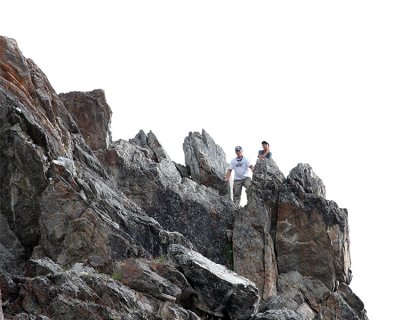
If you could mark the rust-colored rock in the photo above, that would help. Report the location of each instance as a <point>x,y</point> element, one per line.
<point>92,115</point>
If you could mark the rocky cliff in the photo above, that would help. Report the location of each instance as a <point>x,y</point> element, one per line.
<point>92,228</point>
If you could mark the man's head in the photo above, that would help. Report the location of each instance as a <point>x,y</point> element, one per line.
<point>265,145</point>
<point>239,151</point>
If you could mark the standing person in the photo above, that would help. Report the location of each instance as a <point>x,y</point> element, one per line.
<point>243,168</point>
<point>264,153</point>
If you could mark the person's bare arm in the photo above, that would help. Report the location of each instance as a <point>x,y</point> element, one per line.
<point>228,174</point>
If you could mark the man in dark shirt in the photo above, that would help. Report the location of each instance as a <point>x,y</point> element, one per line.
<point>264,153</point>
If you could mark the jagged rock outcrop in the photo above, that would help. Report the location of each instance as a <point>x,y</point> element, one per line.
<point>221,292</point>
<point>206,161</point>
<point>147,176</point>
<point>55,194</point>
<point>95,229</point>
<point>92,114</point>
<point>310,244</point>
<point>57,200</point>
<point>319,228</point>
<point>306,180</point>
<point>82,293</point>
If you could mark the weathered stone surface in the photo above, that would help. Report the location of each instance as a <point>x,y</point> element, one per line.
<point>305,296</point>
<point>307,180</point>
<point>219,289</point>
<point>56,197</point>
<point>92,115</point>
<point>81,293</point>
<point>351,298</point>
<point>150,146</point>
<point>34,127</point>
<point>168,311</point>
<point>305,311</point>
<point>343,304</point>
<point>267,182</point>
<point>337,308</point>
<point>41,267</point>
<point>253,247</point>
<point>112,228</point>
<point>1,308</point>
<point>153,182</point>
<point>312,238</point>
<point>184,171</point>
<point>206,160</point>
<point>254,227</point>
<point>8,287</point>
<point>136,274</point>
<point>293,287</point>
<point>12,255</point>
<point>282,314</point>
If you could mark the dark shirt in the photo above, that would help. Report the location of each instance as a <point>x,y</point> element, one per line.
<point>269,154</point>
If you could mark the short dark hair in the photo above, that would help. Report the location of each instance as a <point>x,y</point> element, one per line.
<point>265,142</point>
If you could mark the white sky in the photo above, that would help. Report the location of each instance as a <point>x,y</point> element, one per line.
<point>318,80</point>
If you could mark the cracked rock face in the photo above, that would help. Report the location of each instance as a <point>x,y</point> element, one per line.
<point>312,237</point>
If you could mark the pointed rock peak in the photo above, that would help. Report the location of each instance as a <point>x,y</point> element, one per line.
<point>207,138</point>
<point>206,161</point>
<point>267,170</point>
<point>92,114</point>
<point>267,181</point>
<point>306,178</point>
<point>151,144</point>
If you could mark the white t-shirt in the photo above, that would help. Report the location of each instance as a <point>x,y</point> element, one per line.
<point>241,168</point>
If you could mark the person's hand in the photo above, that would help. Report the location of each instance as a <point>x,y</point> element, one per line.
<point>226,179</point>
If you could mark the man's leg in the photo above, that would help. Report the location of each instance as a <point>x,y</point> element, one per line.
<point>237,192</point>
<point>247,183</point>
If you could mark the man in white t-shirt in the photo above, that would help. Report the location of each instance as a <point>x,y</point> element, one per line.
<point>243,168</point>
